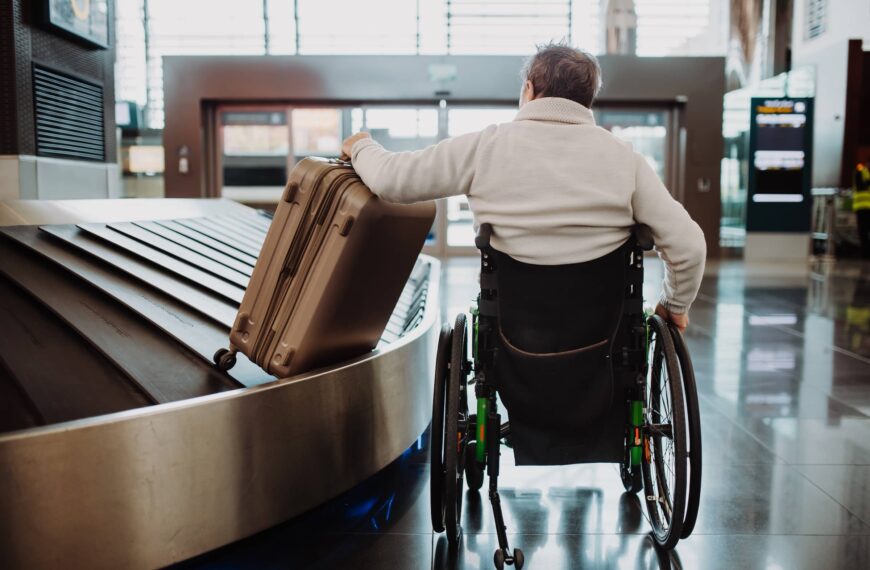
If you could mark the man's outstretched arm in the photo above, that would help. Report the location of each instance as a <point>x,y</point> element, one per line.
<point>441,170</point>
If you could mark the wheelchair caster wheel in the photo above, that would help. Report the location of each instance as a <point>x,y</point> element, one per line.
<point>498,559</point>
<point>225,359</point>
<point>517,560</point>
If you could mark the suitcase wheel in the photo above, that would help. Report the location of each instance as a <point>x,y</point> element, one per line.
<point>225,359</point>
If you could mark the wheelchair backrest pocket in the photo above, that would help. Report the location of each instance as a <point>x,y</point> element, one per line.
<point>562,390</point>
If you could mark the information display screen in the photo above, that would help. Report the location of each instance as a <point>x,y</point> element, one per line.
<point>780,164</point>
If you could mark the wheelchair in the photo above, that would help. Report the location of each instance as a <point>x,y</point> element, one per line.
<point>586,376</point>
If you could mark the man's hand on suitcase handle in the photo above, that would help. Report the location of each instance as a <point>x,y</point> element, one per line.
<point>681,321</point>
<point>347,145</point>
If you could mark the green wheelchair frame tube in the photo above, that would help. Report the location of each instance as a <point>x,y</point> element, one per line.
<point>482,402</point>
<point>635,449</point>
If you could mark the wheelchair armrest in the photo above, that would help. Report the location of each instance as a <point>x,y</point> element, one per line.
<point>484,233</point>
<point>643,236</point>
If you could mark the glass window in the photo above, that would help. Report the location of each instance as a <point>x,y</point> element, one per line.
<point>316,132</point>
<point>281,24</point>
<point>256,140</point>
<point>432,26</point>
<point>370,27</point>
<point>586,22</point>
<point>499,27</point>
<point>667,27</point>
<point>198,27</point>
<point>252,27</point>
<point>130,58</point>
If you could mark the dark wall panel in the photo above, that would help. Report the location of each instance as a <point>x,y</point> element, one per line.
<point>23,43</point>
<point>864,102</point>
<point>8,116</point>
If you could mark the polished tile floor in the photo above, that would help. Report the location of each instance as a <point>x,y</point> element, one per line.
<point>782,358</point>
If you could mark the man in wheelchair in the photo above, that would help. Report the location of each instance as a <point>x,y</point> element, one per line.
<point>565,211</point>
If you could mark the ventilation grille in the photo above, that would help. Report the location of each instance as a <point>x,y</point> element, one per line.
<point>69,116</point>
<point>816,18</point>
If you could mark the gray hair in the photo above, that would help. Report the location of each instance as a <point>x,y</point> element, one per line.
<point>559,70</point>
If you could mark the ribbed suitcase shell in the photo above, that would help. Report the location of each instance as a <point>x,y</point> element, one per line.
<point>332,267</point>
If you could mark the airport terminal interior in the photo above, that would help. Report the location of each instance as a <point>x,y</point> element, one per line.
<point>220,349</point>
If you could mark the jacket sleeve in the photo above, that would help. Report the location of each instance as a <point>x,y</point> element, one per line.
<point>441,170</point>
<point>679,240</point>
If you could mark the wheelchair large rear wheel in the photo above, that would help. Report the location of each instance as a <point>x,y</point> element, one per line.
<point>693,419</point>
<point>456,430</point>
<point>664,462</point>
<point>436,432</point>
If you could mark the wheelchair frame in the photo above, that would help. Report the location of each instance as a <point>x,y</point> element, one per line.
<point>462,444</point>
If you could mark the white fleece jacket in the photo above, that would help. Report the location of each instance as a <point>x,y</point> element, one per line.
<point>556,188</point>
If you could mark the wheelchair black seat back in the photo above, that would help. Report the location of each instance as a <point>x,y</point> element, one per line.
<point>551,363</point>
<point>586,377</point>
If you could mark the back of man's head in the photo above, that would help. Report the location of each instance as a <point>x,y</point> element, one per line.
<point>559,70</point>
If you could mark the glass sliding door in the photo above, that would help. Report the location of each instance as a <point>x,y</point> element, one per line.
<point>259,145</point>
<point>254,151</point>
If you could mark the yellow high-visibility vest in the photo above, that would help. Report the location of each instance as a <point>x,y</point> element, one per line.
<point>861,198</point>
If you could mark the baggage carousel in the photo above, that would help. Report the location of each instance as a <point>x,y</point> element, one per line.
<point>121,445</point>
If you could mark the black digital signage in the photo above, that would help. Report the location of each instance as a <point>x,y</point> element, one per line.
<point>780,165</point>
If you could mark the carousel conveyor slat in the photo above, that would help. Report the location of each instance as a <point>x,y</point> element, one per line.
<point>257,222</point>
<point>216,255</point>
<point>190,326</point>
<point>134,267</point>
<point>160,259</point>
<point>180,253</point>
<point>239,240</point>
<point>227,241</point>
<point>59,373</point>
<point>209,241</point>
<point>164,370</point>
<point>245,224</point>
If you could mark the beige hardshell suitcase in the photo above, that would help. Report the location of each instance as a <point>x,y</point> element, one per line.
<point>332,267</point>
